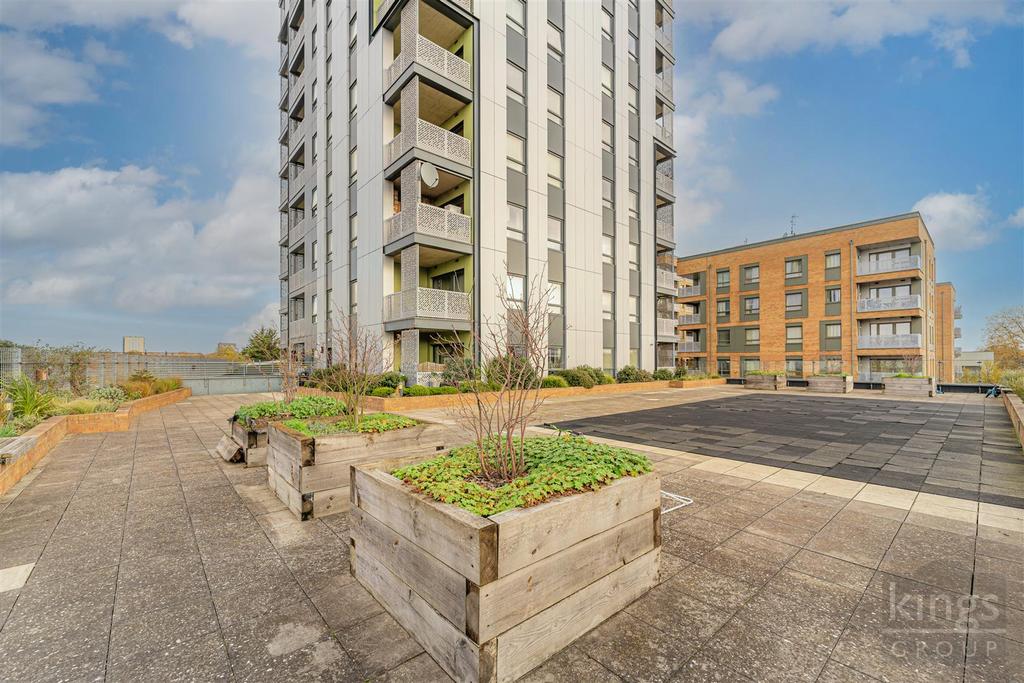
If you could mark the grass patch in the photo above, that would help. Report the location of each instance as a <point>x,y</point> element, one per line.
<point>373,423</point>
<point>555,465</point>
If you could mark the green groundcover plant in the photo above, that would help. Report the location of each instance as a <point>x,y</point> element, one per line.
<point>302,408</point>
<point>372,423</point>
<point>555,465</point>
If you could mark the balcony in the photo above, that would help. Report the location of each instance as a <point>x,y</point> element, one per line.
<point>957,333</point>
<point>430,220</point>
<point>664,183</point>
<point>284,225</point>
<point>666,327</point>
<point>430,138</point>
<point>423,302</point>
<point>434,57</point>
<point>663,86</point>
<point>889,341</point>
<point>665,279</point>
<point>865,267</point>
<point>958,312</point>
<point>667,4</point>
<point>284,190</point>
<point>663,36</point>
<point>666,360</point>
<point>892,303</point>
<point>690,290</point>
<point>663,134</point>
<point>691,319</point>
<point>664,231</point>
<point>689,347</point>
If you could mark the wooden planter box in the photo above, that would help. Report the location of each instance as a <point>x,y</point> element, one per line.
<point>491,598</point>
<point>311,474</point>
<point>911,387</point>
<point>830,384</point>
<point>767,382</point>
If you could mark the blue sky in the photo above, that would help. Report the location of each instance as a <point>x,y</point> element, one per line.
<point>156,155</point>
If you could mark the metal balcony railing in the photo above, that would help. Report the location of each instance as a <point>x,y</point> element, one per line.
<point>430,220</point>
<point>663,133</point>
<point>663,36</point>
<point>296,217</point>
<point>431,55</point>
<point>284,190</point>
<point>664,231</point>
<point>889,341</point>
<point>957,333</point>
<point>427,303</point>
<point>664,182</point>
<point>666,279</point>
<point>295,170</point>
<point>890,303</point>
<point>284,224</point>
<point>691,290</point>
<point>958,312</point>
<point>688,346</point>
<point>690,319</point>
<point>430,138</point>
<point>663,85</point>
<point>668,5</point>
<point>666,327</point>
<point>866,267</point>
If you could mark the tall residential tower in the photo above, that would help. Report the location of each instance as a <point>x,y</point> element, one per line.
<point>434,151</point>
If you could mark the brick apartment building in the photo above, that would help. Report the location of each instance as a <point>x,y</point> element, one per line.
<point>859,298</point>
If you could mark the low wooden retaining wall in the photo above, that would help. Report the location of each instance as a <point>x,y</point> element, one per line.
<point>1015,408</point>
<point>26,450</point>
<point>763,382</point>
<point>397,404</point>
<point>830,384</point>
<point>491,598</point>
<point>909,387</point>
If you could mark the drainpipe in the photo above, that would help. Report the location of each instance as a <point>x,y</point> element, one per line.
<point>853,310</point>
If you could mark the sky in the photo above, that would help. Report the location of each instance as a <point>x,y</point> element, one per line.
<point>138,153</point>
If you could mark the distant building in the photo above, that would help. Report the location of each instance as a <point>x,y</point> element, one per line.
<point>134,345</point>
<point>858,298</point>
<point>947,312</point>
<point>970,362</point>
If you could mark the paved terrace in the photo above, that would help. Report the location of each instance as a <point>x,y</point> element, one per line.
<point>147,558</point>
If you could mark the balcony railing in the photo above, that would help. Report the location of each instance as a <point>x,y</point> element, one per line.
<point>957,333</point>
<point>663,133</point>
<point>664,182</point>
<point>295,170</point>
<point>958,312</point>
<point>439,60</point>
<point>663,36</point>
<point>430,220</point>
<point>666,279</point>
<point>668,4</point>
<point>890,303</point>
<point>284,225</point>
<point>865,267</point>
<point>424,302</point>
<point>690,290</point>
<point>284,190</point>
<point>688,346</point>
<point>664,231</point>
<point>430,138</point>
<point>666,327</point>
<point>889,341</point>
<point>663,85</point>
<point>690,319</point>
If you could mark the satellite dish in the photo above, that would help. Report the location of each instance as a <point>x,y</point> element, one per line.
<point>428,174</point>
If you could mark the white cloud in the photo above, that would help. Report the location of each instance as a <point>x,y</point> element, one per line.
<point>268,316</point>
<point>1017,219</point>
<point>957,221</point>
<point>107,236</point>
<point>749,30</point>
<point>98,53</point>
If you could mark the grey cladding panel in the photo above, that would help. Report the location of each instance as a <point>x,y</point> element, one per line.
<point>634,126</point>
<point>608,333</point>
<point>607,277</point>
<point>555,74</point>
<point>634,73</point>
<point>516,256</point>
<point>556,266</point>
<point>516,187</point>
<point>607,108</point>
<point>556,138</point>
<point>607,164</point>
<point>556,13</point>
<point>634,230</point>
<point>607,221</point>
<point>634,283</point>
<point>607,52</point>
<point>556,202</point>
<point>634,335</point>
<point>515,47</point>
<point>634,178</point>
<point>515,113</point>
<point>556,330</point>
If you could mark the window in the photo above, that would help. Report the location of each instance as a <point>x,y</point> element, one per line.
<point>452,281</point>
<point>634,150</point>
<point>516,289</point>
<point>607,136</point>
<point>554,233</point>
<point>889,291</point>
<point>633,99</point>
<point>316,255</point>
<point>794,334</point>
<point>555,298</point>
<point>752,336</point>
<point>353,163</point>
<point>312,41</point>
<point>314,305</point>
<point>889,328</point>
<point>751,274</point>
<point>353,26</point>
<point>722,279</point>
<point>516,82</point>
<point>330,187</point>
<point>314,203</point>
<point>555,358</point>
<point>607,304</point>
<point>794,301</point>
<point>330,245</point>
<point>353,99</point>
<point>751,365</point>
<point>633,45</point>
<point>794,367</point>
<point>353,298</point>
<point>516,225</point>
<point>832,295</point>
<point>634,204</point>
<point>634,309</point>
<point>516,153</point>
<point>794,268</point>
<point>832,260</point>
<point>723,308</point>
<point>724,367</point>
<point>634,256</point>
<point>556,47</point>
<point>314,95</point>
<point>555,112</point>
<point>607,193</point>
<point>312,144</point>
<point>298,308</point>
<point>752,305</point>
<point>833,330</point>
<point>330,135</point>
<point>724,337</point>
<point>516,12</point>
<point>554,170</point>
<point>608,360</point>
<point>607,22</point>
<point>607,249</point>
<point>607,81</point>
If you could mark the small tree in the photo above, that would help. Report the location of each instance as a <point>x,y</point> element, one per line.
<point>511,353</point>
<point>264,344</point>
<point>290,366</point>
<point>358,357</point>
<point>911,364</point>
<point>1004,336</point>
